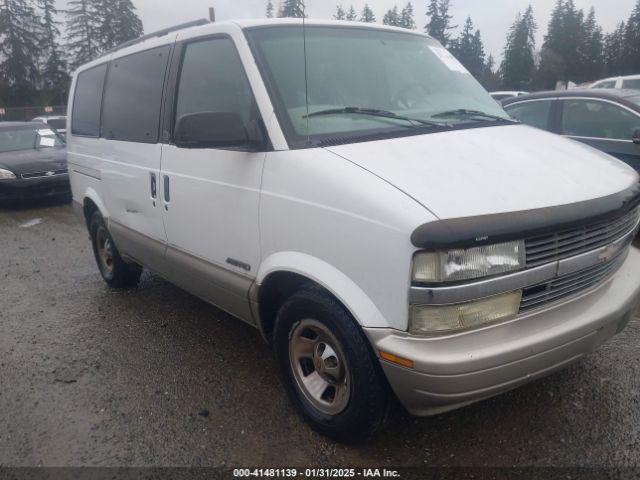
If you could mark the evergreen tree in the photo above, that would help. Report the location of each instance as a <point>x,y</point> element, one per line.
<point>591,52</point>
<point>53,69</point>
<point>631,55</point>
<point>469,49</point>
<point>118,23</point>
<point>293,9</point>
<point>573,39</point>
<point>406,18</point>
<point>270,9</point>
<point>367,14</point>
<point>439,21</point>
<point>490,78</point>
<point>83,41</point>
<point>392,17</point>
<point>614,51</point>
<point>564,56</point>
<point>18,50</point>
<point>518,65</point>
<point>352,16</point>
<point>552,66</point>
<point>340,13</point>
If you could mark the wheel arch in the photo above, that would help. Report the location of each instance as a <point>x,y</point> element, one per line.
<point>91,202</point>
<point>284,273</point>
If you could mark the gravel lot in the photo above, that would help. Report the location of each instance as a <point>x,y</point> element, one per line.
<point>155,376</point>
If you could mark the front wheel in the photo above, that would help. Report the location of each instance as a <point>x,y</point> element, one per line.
<point>327,367</point>
<point>114,270</point>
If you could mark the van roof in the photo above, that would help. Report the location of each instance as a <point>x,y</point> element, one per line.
<point>204,27</point>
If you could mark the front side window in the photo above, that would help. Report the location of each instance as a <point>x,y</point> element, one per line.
<point>366,76</point>
<point>133,96</point>
<point>535,113</point>
<point>28,138</point>
<point>213,80</point>
<point>87,101</point>
<point>598,119</point>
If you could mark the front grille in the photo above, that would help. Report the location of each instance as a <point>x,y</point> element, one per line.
<point>570,284</point>
<point>559,245</point>
<point>50,173</point>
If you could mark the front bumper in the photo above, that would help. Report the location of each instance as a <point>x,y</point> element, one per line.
<point>455,370</point>
<point>35,188</point>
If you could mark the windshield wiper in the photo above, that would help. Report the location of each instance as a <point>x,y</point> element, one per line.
<point>374,112</point>
<point>471,113</point>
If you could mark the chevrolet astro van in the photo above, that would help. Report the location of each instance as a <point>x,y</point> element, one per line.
<point>352,192</point>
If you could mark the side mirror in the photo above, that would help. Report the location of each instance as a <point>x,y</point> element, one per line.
<point>213,130</point>
<point>636,137</point>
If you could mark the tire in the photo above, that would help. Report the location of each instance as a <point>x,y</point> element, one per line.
<point>114,270</point>
<point>316,340</point>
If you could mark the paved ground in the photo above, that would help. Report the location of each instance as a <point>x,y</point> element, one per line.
<point>155,376</point>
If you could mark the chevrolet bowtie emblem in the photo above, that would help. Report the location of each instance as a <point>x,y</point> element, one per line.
<point>609,252</point>
<point>50,174</point>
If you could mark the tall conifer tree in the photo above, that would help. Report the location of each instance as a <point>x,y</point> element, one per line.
<point>406,17</point>
<point>367,14</point>
<point>53,68</point>
<point>293,9</point>
<point>352,16</point>
<point>439,24</point>
<point>518,65</point>
<point>19,42</point>
<point>392,17</point>
<point>632,42</point>
<point>83,38</point>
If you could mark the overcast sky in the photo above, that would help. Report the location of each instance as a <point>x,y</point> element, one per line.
<point>492,17</point>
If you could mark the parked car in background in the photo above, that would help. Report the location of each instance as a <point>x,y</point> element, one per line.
<point>33,162</point>
<point>59,123</point>
<point>629,82</point>
<point>606,119</point>
<point>377,216</point>
<point>501,96</point>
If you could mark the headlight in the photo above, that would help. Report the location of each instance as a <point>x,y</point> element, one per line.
<point>457,265</point>
<point>6,174</point>
<point>430,319</point>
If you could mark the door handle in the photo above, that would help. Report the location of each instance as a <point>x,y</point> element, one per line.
<point>167,191</point>
<point>154,186</point>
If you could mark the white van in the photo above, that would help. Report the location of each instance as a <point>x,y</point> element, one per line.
<point>368,207</point>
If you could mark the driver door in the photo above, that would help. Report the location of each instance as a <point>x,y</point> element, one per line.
<point>211,196</point>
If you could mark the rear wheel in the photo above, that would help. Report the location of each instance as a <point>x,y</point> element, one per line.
<point>327,367</point>
<point>114,270</point>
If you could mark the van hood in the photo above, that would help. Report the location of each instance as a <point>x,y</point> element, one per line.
<point>492,170</point>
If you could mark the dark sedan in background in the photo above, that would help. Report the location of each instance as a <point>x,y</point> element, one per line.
<point>606,119</point>
<point>33,162</point>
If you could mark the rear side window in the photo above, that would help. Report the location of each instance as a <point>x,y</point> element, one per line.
<point>86,102</point>
<point>133,95</point>
<point>213,80</point>
<point>535,113</point>
<point>632,84</point>
<point>596,119</point>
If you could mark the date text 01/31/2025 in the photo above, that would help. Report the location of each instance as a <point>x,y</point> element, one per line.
<point>315,473</point>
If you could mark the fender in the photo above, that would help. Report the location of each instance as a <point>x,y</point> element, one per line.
<point>341,286</point>
<point>92,195</point>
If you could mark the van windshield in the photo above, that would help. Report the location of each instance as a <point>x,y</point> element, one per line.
<point>363,81</point>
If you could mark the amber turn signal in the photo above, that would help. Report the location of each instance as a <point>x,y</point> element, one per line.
<point>390,357</point>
